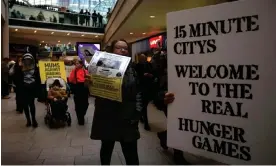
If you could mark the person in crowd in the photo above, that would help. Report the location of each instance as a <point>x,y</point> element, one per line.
<point>108,14</point>
<point>57,96</point>
<point>30,76</point>
<point>5,79</point>
<point>11,72</point>
<point>40,16</point>
<point>146,78</point>
<point>18,81</point>
<point>81,17</point>
<point>118,121</point>
<point>94,18</point>
<point>32,18</point>
<point>80,91</point>
<point>87,18</point>
<point>100,18</point>
<point>161,100</point>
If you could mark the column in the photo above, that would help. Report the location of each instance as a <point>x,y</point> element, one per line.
<point>5,31</point>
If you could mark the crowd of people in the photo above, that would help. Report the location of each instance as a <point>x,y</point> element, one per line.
<point>113,121</point>
<point>84,17</point>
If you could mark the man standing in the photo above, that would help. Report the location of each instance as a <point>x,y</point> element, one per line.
<point>94,19</point>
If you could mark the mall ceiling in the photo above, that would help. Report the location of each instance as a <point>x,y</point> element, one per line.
<point>149,17</point>
<point>21,35</point>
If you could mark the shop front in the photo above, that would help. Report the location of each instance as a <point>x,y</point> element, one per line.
<point>148,46</point>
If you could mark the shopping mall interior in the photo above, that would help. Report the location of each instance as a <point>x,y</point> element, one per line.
<point>59,28</point>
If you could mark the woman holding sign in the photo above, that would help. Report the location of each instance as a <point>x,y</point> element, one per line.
<point>118,121</point>
<point>81,92</point>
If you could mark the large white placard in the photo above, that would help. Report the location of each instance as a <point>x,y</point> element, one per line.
<point>222,69</point>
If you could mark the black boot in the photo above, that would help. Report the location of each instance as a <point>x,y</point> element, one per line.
<point>34,124</point>
<point>29,123</point>
<point>163,139</point>
<point>179,158</point>
<point>81,121</point>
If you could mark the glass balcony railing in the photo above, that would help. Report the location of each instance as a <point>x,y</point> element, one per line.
<point>48,16</point>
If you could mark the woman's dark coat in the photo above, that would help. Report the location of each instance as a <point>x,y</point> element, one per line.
<point>118,121</point>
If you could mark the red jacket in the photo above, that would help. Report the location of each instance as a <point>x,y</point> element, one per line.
<point>77,75</point>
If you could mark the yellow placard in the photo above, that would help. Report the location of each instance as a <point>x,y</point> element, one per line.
<point>51,69</point>
<point>109,88</point>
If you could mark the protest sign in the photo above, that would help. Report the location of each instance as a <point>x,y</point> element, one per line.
<point>51,69</point>
<point>221,65</point>
<point>107,72</point>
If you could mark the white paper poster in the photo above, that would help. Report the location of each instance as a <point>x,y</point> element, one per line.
<point>107,71</point>
<point>222,69</point>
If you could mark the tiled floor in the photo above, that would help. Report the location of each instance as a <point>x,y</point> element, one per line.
<point>72,145</point>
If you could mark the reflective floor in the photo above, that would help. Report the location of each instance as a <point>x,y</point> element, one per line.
<point>72,145</point>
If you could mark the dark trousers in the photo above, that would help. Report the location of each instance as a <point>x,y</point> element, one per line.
<point>145,111</point>
<point>29,107</point>
<point>129,150</point>
<point>100,24</point>
<point>29,102</point>
<point>87,22</point>
<point>19,98</point>
<point>5,89</point>
<point>94,23</point>
<point>81,94</point>
<point>178,154</point>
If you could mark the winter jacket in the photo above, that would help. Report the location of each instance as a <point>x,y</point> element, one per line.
<point>118,121</point>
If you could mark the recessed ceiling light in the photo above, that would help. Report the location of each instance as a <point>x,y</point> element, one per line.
<point>42,41</point>
<point>59,41</point>
<point>35,31</point>
<point>52,32</point>
<point>82,35</point>
<point>68,34</point>
<point>144,33</point>
<point>69,43</point>
<point>152,16</point>
<point>131,33</point>
<point>16,29</point>
<point>97,36</point>
<point>40,44</point>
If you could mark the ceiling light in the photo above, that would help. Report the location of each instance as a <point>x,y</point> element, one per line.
<point>97,36</point>
<point>69,43</point>
<point>131,33</point>
<point>68,34</point>
<point>16,29</point>
<point>152,16</point>
<point>59,41</point>
<point>144,33</point>
<point>42,41</point>
<point>35,31</point>
<point>52,32</point>
<point>40,44</point>
<point>82,35</point>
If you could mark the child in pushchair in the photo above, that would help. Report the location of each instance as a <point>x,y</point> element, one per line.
<point>57,102</point>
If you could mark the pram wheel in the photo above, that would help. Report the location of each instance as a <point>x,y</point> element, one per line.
<point>69,120</point>
<point>51,122</point>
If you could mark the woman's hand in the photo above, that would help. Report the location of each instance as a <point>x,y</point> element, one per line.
<point>169,98</point>
<point>88,79</point>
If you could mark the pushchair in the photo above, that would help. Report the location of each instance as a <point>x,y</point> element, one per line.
<point>56,114</point>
